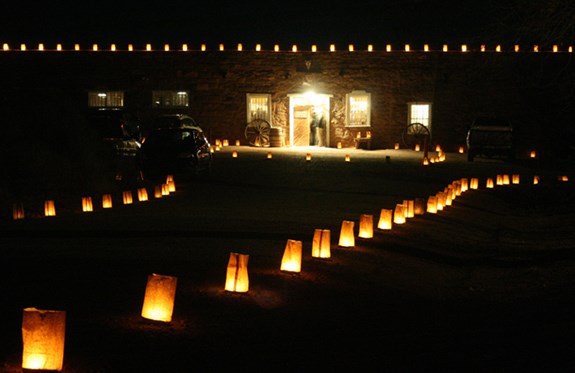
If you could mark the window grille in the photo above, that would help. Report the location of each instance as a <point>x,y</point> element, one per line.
<point>419,113</point>
<point>358,109</point>
<point>106,99</point>
<point>170,99</point>
<point>259,107</point>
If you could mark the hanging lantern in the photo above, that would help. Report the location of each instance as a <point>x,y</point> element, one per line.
<point>87,204</point>
<point>346,234</point>
<point>234,154</point>
<point>499,180</point>
<point>347,158</point>
<point>18,211</point>
<point>49,208</point>
<point>515,179</point>
<point>365,226</point>
<point>165,190</point>
<point>169,178</point>
<point>489,183</point>
<point>474,183</point>
<point>226,142</point>
<point>461,150</point>
<point>506,180</point>
<point>159,298</point>
<point>533,154</point>
<point>237,142</point>
<point>409,208</point>
<point>396,146</point>
<point>419,206</point>
<point>291,260</point>
<point>425,161</point>
<point>237,279</point>
<point>43,336</point>
<point>417,147</point>
<point>432,204</point>
<point>107,201</point>
<point>563,178</point>
<point>385,217</point>
<point>308,157</point>
<point>399,214</point>
<point>339,145</point>
<point>142,194</point>
<point>535,180</point>
<point>321,244</point>
<point>127,197</point>
<point>269,155</point>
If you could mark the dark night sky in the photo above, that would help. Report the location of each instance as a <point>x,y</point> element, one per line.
<point>214,21</point>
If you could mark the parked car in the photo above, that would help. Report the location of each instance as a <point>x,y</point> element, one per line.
<point>490,137</point>
<point>173,120</point>
<point>119,132</point>
<point>175,146</point>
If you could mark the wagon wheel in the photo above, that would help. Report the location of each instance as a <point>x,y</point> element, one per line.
<point>258,132</point>
<point>416,133</point>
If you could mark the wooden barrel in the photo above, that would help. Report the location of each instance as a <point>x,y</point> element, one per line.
<point>277,138</point>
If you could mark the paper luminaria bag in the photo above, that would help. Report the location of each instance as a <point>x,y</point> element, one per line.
<point>321,244</point>
<point>43,337</point>
<point>347,235</point>
<point>159,297</point>
<point>365,226</point>
<point>291,260</point>
<point>237,279</point>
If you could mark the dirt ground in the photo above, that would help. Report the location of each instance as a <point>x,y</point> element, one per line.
<point>485,285</point>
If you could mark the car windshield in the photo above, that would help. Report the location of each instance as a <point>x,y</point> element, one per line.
<point>170,137</point>
<point>173,121</point>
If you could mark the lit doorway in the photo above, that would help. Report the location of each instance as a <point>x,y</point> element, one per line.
<point>301,108</point>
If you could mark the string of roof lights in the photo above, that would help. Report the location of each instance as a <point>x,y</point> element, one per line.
<point>294,48</point>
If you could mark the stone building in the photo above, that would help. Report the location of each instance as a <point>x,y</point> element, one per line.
<point>373,92</point>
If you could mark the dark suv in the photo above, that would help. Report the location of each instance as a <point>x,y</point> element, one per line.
<point>490,137</point>
<point>176,145</point>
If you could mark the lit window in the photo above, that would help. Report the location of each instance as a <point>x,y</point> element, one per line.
<point>358,109</point>
<point>106,99</point>
<point>170,99</point>
<point>259,107</point>
<point>419,113</point>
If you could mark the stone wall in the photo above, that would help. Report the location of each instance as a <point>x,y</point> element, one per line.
<point>535,90</point>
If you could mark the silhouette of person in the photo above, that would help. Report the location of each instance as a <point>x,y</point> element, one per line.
<point>317,128</point>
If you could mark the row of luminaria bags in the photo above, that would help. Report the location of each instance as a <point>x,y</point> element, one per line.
<point>18,211</point>
<point>43,331</point>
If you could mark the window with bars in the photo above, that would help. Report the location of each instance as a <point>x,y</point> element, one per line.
<point>358,109</point>
<point>419,112</point>
<point>106,99</point>
<point>170,99</point>
<point>259,107</point>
